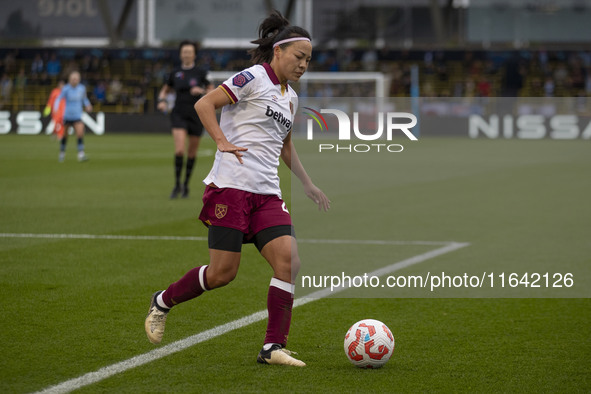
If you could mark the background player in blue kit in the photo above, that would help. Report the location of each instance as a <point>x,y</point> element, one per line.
<point>189,83</point>
<point>74,94</point>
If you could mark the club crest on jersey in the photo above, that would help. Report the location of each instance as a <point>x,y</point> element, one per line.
<point>220,210</point>
<point>179,74</point>
<point>242,79</point>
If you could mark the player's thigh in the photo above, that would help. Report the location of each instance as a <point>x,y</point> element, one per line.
<point>179,135</point>
<point>282,254</point>
<point>225,245</point>
<point>223,267</point>
<point>79,128</point>
<point>193,145</point>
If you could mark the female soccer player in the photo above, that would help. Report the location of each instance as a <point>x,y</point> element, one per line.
<point>74,94</point>
<point>189,83</point>
<point>56,116</point>
<point>242,201</point>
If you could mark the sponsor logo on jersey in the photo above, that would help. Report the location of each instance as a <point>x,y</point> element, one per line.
<point>279,117</point>
<point>242,79</point>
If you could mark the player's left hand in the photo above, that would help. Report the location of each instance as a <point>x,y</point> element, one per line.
<point>225,146</point>
<point>318,196</point>
<point>88,108</point>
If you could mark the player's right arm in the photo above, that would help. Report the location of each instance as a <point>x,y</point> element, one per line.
<point>162,103</point>
<point>206,107</point>
<point>56,103</point>
<point>50,101</point>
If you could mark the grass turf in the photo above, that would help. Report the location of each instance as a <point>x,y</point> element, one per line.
<point>72,306</point>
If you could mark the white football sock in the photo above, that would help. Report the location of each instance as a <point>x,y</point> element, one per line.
<point>268,346</point>
<point>160,302</point>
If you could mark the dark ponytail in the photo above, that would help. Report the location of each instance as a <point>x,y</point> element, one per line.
<point>273,29</point>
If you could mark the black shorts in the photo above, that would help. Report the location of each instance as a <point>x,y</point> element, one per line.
<point>188,121</point>
<point>71,122</point>
<point>231,240</point>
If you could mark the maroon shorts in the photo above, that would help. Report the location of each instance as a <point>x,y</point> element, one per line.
<point>241,210</point>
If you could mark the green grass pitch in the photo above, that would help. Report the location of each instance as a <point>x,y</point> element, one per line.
<point>73,306</point>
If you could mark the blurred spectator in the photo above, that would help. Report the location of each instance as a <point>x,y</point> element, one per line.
<point>320,60</point>
<point>346,59</point>
<point>159,73</point>
<point>560,75</point>
<point>577,73</point>
<point>428,59</point>
<point>37,65</point>
<point>549,87</point>
<point>89,68</point>
<point>5,88</point>
<point>458,89</point>
<point>71,67</point>
<point>10,62</point>
<point>114,90</point>
<point>369,60</point>
<point>20,81</point>
<point>428,90</point>
<point>333,64</point>
<point>44,79</point>
<point>138,100</point>
<point>536,87</point>
<point>484,87</point>
<point>95,65</point>
<point>441,69</point>
<point>543,59</point>
<point>469,87</point>
<point>147,73</point>
<point>396,80</point>
<point>100,92</point>
<point>221,59</point>
<point>489,68</point>
<point>124,98</point>
<point>54,66</point>
<point>514,74</point>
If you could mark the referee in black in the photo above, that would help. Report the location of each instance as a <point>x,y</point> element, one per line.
<point>189,83</point>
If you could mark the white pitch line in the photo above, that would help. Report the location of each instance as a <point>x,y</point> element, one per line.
<point>104,236</point>
<point>189,238</point>
<point>450,247</point>
<point>108,371</point>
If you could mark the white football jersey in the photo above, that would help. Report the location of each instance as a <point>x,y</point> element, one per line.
<point>259,118</point>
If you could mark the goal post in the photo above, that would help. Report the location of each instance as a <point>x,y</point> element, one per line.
<point>329,84</point>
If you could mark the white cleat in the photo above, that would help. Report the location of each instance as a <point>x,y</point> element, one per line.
<point>276,355</point>
<point>155,321</point>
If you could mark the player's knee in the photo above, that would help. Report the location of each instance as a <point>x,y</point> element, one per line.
<point>287,268</point>
<point>220,278</point>
<point>295,265</point>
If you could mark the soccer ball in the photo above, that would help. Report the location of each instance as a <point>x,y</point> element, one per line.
<point>369,343</point>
